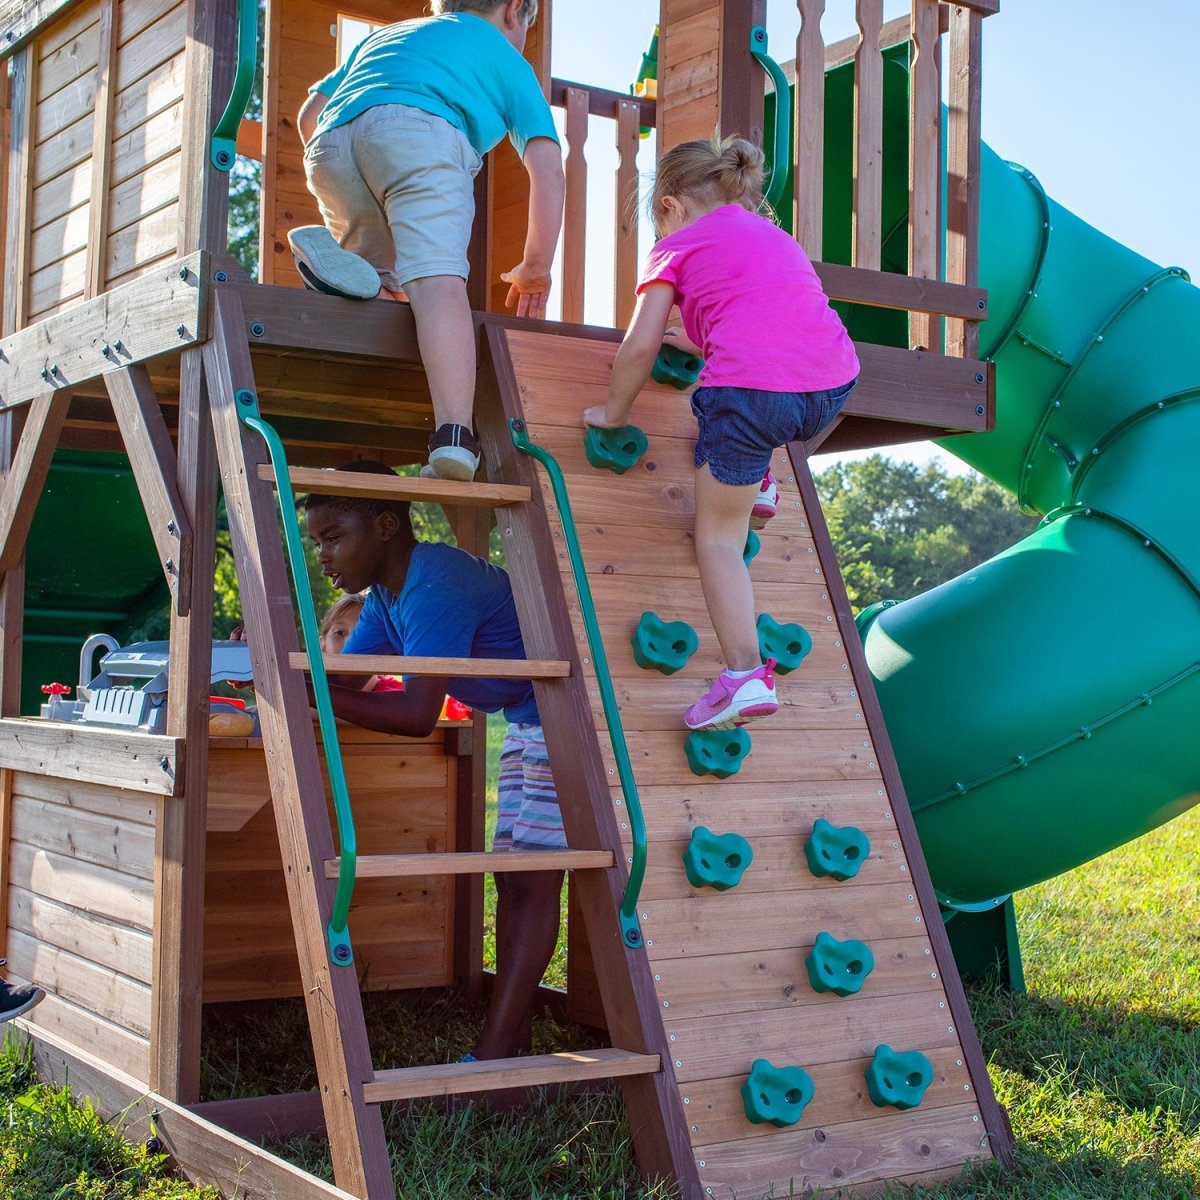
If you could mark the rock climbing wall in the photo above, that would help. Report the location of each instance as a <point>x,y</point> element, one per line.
<point>798,956</point>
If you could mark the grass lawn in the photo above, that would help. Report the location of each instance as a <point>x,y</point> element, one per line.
<point>1098,1064</point>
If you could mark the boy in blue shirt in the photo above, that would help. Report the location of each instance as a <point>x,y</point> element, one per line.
<point>431,599</point>
<point>393,140</point>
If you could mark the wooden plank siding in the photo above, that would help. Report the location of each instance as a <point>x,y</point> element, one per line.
<point>79,905</point>
<point>734,960</point>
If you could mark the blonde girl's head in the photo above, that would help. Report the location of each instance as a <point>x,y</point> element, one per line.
<point>528,10</point>
<point>709,173</point>
<point>339,622</point>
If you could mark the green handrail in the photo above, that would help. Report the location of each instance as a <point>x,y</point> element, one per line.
<point>781,141</point>
<point>223,145</point>
<point>630,929</point>
<point>339,935</point>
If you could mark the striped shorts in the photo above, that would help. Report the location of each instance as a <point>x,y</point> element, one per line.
<point>528,816</point>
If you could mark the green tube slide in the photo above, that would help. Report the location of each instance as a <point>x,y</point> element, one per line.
<point>1041,707</point>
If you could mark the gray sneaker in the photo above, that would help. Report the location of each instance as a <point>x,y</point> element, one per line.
<point>326,267</point>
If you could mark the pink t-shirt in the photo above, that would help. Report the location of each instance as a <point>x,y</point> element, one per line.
<point>752,302</point>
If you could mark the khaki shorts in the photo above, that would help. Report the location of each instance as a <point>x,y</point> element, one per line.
<point>396,186</point>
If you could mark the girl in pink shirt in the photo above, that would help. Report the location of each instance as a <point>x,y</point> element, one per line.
<point>778,368</point>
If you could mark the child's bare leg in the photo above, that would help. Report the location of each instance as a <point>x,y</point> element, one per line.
<point>722,522</point>
<point>527,918</point>
<point>446,336</point>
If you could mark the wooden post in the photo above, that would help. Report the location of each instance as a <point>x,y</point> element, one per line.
<point>18,232</point>
<point>741,80</point>
<point>12,600</point>
<point>868,138</point>
<point>809,118</point>
<point>335,1014</point>
<point>924,162</point>
<point>97,243</point>
<point>625,271</point>
<point>574,256</point>
<point>177,990</point>
<point>962,167</point>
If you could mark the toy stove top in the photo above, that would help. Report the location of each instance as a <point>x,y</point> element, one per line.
<point>131,690</point>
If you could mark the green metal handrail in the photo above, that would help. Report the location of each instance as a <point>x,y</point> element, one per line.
<point>630,929</point>
<point>782,135</point>
<point>339,934</point>
<point>223,144</point>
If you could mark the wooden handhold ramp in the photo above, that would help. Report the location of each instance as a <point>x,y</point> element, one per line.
<point>727,968</point>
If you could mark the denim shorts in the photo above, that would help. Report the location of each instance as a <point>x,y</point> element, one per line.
<point>396,185</point>
<point>740,428</point>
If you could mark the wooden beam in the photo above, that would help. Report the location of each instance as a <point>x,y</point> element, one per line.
<point>106,83</point>
<point>867,216</point>
<point>204,1152</point>
<point>335,1015</point>
<point>809,123</point>
<point>12,598</point>
<point>955,394</point>
<point>449,668</point>
<point>885,289</point>
<point>180,831</point>
<point>398,487</point>
<point>18,231</point>
<point>161,311</point>
<point>600,102</point>
<point>152,458</point>
<point>625,267</point>
<point>22,20</point>
<point>537,1070</point>
<point>924,174</point>
<point>142,762</point>
<point>396,866</point>
<point>741,94</point>
<point>27,475</point>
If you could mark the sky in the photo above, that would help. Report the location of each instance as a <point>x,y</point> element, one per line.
<point>1098,98</point>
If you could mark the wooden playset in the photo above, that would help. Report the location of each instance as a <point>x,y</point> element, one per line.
<point>144,875</point>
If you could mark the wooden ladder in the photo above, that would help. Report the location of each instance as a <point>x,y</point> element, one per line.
<point>351,1088</point>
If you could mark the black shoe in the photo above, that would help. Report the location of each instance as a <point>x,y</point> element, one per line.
<point>19,999</point>
<point>453,454</point>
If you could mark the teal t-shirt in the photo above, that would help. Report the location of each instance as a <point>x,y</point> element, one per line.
<point>456,66</point>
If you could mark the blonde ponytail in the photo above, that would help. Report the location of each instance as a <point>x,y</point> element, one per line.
<point>721,171</point>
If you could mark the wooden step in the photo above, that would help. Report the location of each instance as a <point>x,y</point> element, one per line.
<point>362,485</point>
<point>449,1079</point>
<point>449,668</point>
<point>472,862</point>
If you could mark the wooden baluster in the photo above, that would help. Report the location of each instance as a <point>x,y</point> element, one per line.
<point>575,211</point>
<point>924,174</point>
<point>626,265</point>
<point>962,155</point>
<point>810,127</point>
<point>868,137</point>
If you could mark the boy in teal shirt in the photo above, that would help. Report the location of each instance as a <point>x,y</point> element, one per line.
<point>393,140</point>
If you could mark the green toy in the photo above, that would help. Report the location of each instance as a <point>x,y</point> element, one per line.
<point>776,1095</point>
<point>839,967</point>
<point>716,860</point>
<point>753,546</point>
<point>836,851</point>
<point>788,645</point>
<point>616,449</point>
<point>717,752</point>
<point>664,646</point>
<point>677,367</point>
<point>898,1078</point>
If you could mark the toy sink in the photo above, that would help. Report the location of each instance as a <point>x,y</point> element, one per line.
<point>131,690</point>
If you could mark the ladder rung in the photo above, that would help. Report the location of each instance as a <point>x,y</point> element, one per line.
<point>472,862</point>
<point>449,1079</point>
<point>450,668</point>
<point>380,487</point>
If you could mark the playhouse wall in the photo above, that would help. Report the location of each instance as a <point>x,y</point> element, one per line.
<point>100,196</point>
<point>404,794</point>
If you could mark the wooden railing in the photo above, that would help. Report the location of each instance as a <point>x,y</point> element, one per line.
<point>929,21</point>
<point>629,114</point>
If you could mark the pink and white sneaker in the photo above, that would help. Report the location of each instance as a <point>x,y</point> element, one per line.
<point>735,701</point>
<point>767,503</point>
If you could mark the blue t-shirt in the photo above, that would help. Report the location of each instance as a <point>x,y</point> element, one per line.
<point>456,66</point>
<point>453,605</point>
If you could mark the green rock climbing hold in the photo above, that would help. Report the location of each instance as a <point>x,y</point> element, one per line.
<point>836,851</point>
<point>788,645</point>
<point>716,860</point>
<point>664,646</point>
<point>616,449</point>
<point>839,967</point>
<point>776,1095</point>
<point>898,1078</point>
<point>717,752</point>
<point>676,367</point>
<point>752,547</point>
